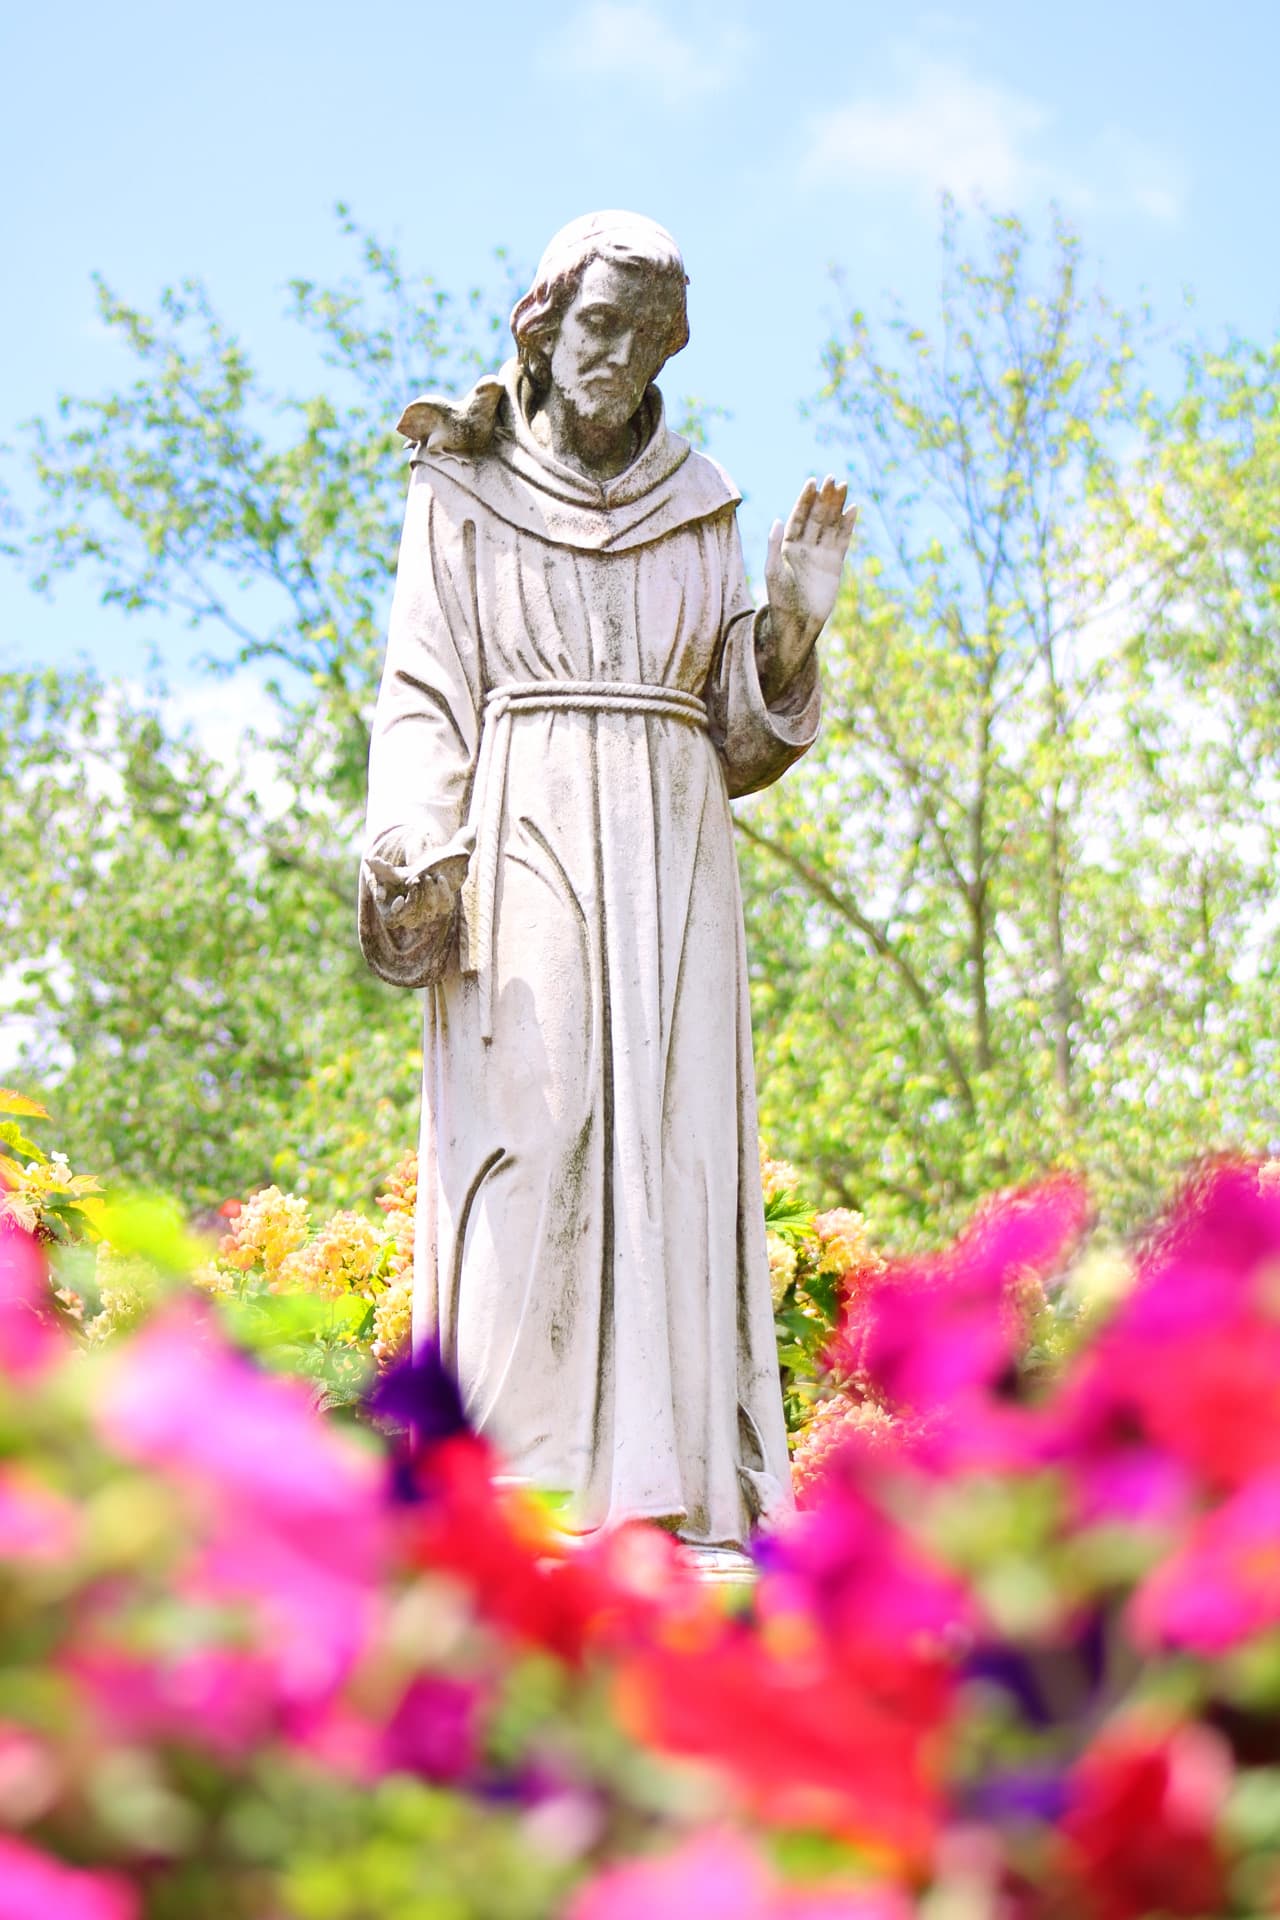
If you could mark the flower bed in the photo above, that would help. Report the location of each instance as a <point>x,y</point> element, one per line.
<point>1018,1654</point>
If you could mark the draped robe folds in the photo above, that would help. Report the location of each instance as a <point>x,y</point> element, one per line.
<point>590,1245</point>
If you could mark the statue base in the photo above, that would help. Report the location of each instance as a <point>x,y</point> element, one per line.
<point>722,1566</point>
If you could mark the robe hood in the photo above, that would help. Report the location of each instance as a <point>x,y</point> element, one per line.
<point>483,446</point>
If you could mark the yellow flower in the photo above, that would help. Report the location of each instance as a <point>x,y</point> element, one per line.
<point>391,1321</point>
<point>842,1241</point>
<point>126,1288</point>
<point>782,1266</point>
<point>400,1195</point>
<point>341,1258</point>
<point>819,1440</point>
<point>777,1176</point>
<point>269,1227</point>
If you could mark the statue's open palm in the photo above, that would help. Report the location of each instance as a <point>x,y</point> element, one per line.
<point>804,564</point>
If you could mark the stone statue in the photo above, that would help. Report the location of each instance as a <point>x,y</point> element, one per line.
<point>576,685</point>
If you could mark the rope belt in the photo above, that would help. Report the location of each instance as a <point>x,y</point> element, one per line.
<point>489,792</point>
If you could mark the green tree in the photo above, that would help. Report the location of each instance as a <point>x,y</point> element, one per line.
<point>1010,917</point>
<point>194,1004</point>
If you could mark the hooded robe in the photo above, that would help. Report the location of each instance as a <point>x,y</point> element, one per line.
<point>571,698</point>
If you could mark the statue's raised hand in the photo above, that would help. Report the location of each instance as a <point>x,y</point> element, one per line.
<point>802,577</point>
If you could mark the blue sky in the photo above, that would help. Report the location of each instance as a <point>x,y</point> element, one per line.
<point>150,141</point>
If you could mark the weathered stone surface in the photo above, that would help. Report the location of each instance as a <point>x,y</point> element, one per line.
<point>576,684</point>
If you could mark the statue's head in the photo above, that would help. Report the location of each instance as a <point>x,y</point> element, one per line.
<point>604,276</point>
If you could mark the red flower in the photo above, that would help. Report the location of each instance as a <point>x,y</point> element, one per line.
<point>808,1734</point>
<point>1140,1830</point>
<point>523,1574</point>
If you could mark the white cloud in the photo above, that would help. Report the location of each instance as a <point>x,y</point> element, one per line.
<point>944,128</point>
<point>631,41</point>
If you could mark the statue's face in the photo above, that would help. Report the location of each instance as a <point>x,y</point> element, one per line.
<point>609,347</point>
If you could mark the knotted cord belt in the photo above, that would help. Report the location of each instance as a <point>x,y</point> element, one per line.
<point>489,793</point>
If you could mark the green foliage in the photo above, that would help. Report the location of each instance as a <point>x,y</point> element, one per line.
<point>199,1016</point>
<point>38,1191</point>
<point>815,1260</point>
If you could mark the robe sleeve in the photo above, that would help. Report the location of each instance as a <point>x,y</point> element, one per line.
<point>757,739</point>
<point>426,730</point>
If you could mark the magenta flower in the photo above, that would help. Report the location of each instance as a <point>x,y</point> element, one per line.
<point>937,1339</point>
<point>1218,1256</point>
<point>1095,1432</point>
<point>35,1887</point>
<point>1222,1585</point>
<point>30,1338</point>
<point>1186,1373</point>
<point>927,1332</point>
<point>434,1731</point>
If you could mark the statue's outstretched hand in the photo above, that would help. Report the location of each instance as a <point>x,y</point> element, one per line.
<point>802,573</point>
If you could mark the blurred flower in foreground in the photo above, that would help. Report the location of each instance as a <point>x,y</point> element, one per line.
<point>34,1887</point>
<point>936,1338</point>
<point>30,1338</point>
<point>1140,1831</point>
<point>718,1876</point>
<point>1221,1584</point>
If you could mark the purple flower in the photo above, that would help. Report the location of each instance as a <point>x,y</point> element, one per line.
<point>422,1395</point>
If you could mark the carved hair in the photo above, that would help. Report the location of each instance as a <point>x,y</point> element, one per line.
<point>624,239</point>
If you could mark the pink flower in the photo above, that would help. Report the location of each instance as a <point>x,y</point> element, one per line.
<point>338,1737</point>
<point>313,1613</point>
<point>30,1338</point>
<point>286,1512</point>
<point>717,1876</point>
<point>846,1566</point>
<point>218,1698</point>
<point>1222,1585</point>
<point>35,1887</point>
<point>179,1399</point>
<point>36,1524</point>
